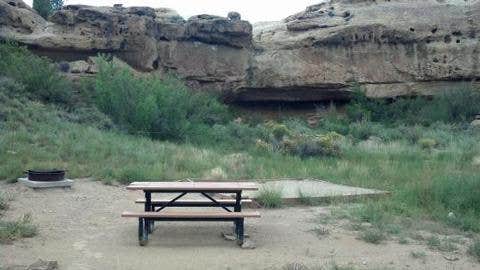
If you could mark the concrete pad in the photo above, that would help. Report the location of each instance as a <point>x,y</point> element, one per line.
<point>53,184</point>
<point>317,190</point>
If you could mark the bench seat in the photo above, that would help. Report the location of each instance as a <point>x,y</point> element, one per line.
<point>201,202</point>
<point>192,215</point>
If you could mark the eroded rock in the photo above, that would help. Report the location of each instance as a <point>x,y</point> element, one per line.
<point>391,48</point>
<point>43,265</point>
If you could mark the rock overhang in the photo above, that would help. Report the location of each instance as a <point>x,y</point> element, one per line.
<point>314,55</point>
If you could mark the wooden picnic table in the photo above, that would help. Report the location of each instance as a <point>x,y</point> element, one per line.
<point>230,209</point>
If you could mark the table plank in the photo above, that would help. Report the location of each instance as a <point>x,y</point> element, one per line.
<point>193,186</point>
<point>185,214</point>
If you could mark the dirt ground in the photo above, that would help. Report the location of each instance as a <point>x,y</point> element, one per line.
<point>81,228</point>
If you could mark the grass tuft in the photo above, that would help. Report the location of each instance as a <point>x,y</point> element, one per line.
<point>474,249</point>
<point>3,202</point>
<point>270,197</point>
<point>420,255</point>
<point>12,230</point>
<point>305,199</point>
<point>373,235</point>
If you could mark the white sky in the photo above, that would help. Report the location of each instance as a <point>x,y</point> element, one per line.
<point>251,10</point>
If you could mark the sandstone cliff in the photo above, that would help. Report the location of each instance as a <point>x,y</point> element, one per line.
<point>392,47</point>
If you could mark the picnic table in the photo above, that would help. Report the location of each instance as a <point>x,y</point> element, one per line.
<point>228,209</point>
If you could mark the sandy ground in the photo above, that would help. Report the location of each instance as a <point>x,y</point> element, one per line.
<point>81,228</point>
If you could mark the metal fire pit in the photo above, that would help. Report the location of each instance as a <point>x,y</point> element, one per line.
<point>46,175</point>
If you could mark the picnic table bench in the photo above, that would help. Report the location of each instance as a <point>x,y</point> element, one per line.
<point>229,209</point>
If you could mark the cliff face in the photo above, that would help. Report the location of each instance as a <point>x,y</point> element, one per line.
<point>391,47</point>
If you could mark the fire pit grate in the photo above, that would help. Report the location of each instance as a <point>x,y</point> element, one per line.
<point>46,175</point>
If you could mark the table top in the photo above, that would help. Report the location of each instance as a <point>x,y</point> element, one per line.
<point>193,186</point>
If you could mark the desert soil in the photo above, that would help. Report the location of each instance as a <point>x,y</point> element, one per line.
<point>81,228</point>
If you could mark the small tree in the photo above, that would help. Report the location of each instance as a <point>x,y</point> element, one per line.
<point>43,7</point>
<point>46,7</point>
<point>56,4</point>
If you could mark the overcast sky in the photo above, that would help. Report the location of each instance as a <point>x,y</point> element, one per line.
<point>252,10</point>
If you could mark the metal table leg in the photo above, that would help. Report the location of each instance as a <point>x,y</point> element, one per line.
<point>238,208</point>
<point>148,208</point>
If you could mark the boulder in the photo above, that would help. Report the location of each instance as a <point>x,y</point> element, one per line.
<point>234,16</point>
<point>79,66</point>
<point>219,30</point>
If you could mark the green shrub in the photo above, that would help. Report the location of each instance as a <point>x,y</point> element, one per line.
<point>427,143</point>
<point>38,75</point>
<point>474,249</point>
<point>263,146</point>
<point>457,193</point>
<point>232,136</point>
<point>90,116</point>
<point>279,131</point>
<point>305,199</point>
<point>418,255</point>
<point>11,168</point>
<point>132,174</point>
<point>3,202</point>
<point>363,130</point>
<point>46,7</point>
<point>313,145</point>
<point>270,197</point>
<point>370,212</point>
<point>434,242</point>
<point>12,230</point>
<point>453,106</point>
<point>150,106</point>
<point>373,235</point>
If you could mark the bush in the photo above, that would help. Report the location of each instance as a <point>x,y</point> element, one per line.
<point>373,235</point>
<point>3,202</point>
<point>456,193</point>
<point>458,105</point>
<point>313,145</point>
<point>46,7</point>
<point>38,75</point>
<point>474,249</point>
<point>427,143</point>
<point>159,108</point>
<point>279,131</point>
<point>232,136</point>
<point>453,106</point>
<point>12,230</point>
<point>270,197</point>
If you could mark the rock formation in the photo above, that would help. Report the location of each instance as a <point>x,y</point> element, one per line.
<point>391,47</point>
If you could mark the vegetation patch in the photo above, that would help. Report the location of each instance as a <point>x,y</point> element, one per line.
<point>305,199</point>
<point>373,235</point>
<point>155,107</point>
<point>474,249</point>
<point>453,106</point>
<point>419,255</point>
<point>45,84</point>
<point>125,127</point>
<point>270,197</point>
<point>12,230</point>
<point>3,202</point>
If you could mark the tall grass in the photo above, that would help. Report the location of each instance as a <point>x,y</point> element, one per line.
<point>387,154</point>
<point>451,106</point>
